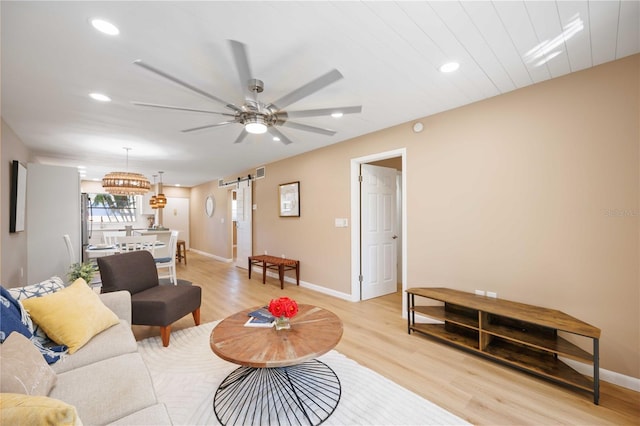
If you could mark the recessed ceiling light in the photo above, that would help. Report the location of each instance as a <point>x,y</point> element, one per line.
<point>337,114</point>
<point>450,67</point>
<point>105,27</point>
<point>277,139</point>
<point>99,97</point>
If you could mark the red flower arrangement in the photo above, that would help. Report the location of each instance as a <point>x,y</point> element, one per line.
<point>283,307</point>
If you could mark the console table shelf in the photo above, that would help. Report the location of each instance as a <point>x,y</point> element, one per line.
<point>516,334</point>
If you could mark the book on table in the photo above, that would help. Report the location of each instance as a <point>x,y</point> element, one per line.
<point>260,318</point>
<point>258,322</point>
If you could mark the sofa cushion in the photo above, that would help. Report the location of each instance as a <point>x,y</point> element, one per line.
<point>19,409</point>
<point>23,369</point>
<point>71,316</point>
<point>134,272</point>
<point>163,305</point>
<point>114,341</point>
<point>106,391</point>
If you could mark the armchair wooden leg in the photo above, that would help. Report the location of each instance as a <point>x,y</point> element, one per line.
<point>165,333</point>
<point>196,316</point>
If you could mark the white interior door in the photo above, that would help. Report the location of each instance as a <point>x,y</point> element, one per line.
<point>378,231</point>
<point>243,224</point>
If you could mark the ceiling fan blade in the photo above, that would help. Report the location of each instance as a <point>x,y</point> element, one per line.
<point>187,85</point>
<point>243,134</point>
<point>241,58</point>
<point>145,104</point>
<point>278,134</point>
<point>309,88</point>
<point>208,126</point>
<point>308,128</point>
<point>324,111</point>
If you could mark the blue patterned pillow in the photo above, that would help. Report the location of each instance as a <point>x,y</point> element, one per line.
<point>49,286</point>
<point>12,308</point>
<point>12,317</point>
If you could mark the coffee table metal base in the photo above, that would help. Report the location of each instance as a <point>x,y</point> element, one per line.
<point>302,394</point>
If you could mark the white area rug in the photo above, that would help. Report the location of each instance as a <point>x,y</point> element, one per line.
<point>187,374</point>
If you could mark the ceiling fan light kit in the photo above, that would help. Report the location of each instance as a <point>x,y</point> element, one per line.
<point>256,125</point>
<point>257,117</point>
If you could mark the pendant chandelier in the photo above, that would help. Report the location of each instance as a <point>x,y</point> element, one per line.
<point>158,201</point>
<point>125,183</point>
<point>153,200</point>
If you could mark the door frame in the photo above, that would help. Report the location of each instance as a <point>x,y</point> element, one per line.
<point>356,294</point>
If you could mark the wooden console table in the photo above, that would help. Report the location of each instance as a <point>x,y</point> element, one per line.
<point>519,335</point>
<point>273,262</point>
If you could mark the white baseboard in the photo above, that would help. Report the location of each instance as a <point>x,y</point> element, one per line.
<point>213,256</point>
<point>585,369</point>
<point>310,286</point>
<point>605,375</point>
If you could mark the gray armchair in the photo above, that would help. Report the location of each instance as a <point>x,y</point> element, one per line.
<point>151,303</point>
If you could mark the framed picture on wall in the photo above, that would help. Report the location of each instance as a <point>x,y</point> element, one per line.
<point>289,194</point>
<point>18,197</point>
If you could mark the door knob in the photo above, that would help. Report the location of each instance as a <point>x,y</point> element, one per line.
<point>394,237</point>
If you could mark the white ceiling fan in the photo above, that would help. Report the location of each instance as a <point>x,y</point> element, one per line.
<point>255,116</point>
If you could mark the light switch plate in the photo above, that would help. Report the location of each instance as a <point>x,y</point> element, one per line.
<point>341,222</point>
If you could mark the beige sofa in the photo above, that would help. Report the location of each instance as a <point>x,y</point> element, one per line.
<point>106,380</point>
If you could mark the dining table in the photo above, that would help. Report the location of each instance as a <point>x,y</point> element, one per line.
<point>99,250</point>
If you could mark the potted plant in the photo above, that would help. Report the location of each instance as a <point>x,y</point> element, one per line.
<point>85,270</point>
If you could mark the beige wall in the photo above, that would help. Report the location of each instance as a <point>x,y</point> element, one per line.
<point>13,250</point>
<point>533,194</point>
<point>211,235</point>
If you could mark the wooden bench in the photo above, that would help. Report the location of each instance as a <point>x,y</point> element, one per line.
<point>273,262</point>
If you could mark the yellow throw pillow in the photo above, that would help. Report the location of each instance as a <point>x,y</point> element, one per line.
<point>18,409</point>
<point>71,316</point>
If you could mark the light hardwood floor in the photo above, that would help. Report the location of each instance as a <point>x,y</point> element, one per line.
<point>375,335</point>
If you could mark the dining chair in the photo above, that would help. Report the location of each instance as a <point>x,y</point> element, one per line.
<point>109,237</point>
<point>129,243</point>
<point>70,251</point>
<point>169,262</point>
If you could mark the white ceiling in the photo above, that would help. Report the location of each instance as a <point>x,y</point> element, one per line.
<point>388,52</point>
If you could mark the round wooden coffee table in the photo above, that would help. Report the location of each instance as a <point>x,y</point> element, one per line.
<point>279,380</point>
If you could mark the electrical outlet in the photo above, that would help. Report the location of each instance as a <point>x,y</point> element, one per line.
<point>479,292</point>
<point>492,294</point>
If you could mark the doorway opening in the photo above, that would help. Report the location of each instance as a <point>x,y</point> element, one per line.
<point>394,159</point>
<point>234,217</point>
<point>241,223</point>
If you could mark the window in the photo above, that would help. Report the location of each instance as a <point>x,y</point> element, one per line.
<point>109,208</point>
